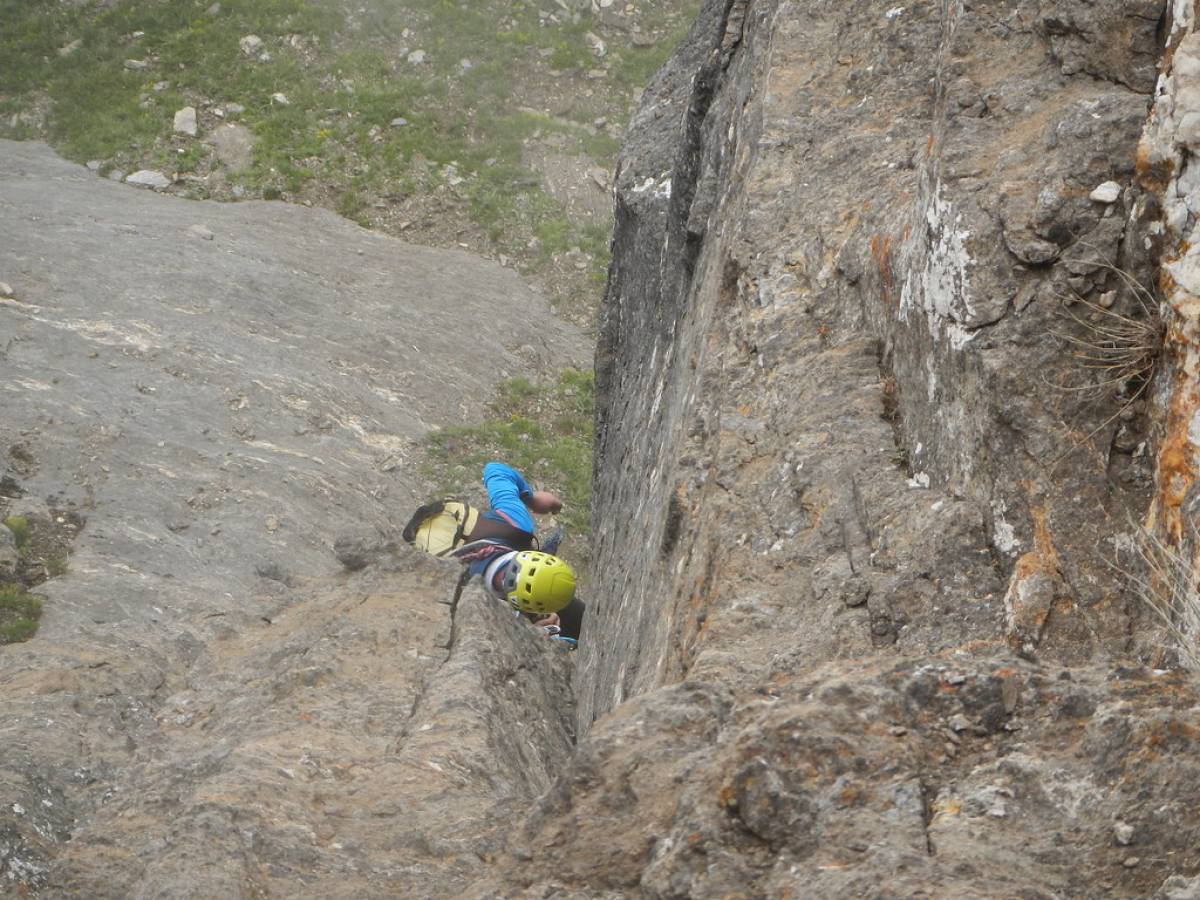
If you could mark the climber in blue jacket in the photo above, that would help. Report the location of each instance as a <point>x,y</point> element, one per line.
<point>533,581</point>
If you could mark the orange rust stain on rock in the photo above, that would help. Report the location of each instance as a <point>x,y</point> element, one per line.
<point>1177,456</point>
<point>1152,174</point>
<point>881,250</point>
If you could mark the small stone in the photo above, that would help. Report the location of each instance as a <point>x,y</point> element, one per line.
<point>149,178</point>
<point>251,44</point>
<point>398,122</point>
<point>1123,832</point>
<point>1131,862</point>
<point>115,175</point>
<point>271,523</point>
<point>234,109</point>
<point>160,86</point>
<point>93,165</point>
<point>597,45</point>
<point>1106,193</point>
<point>136,65</point>
<point>855,591</point>
<point>416,57</point>
<point>1107,299</point>
<point>465,64</point>
<point>68,49</point>
<point>899,730</point>
<point>185,121</point>
<point>281,99</point>
<point>201,232</point>
<point>214,10</point>
<point>959,722</point>
<point>5,289</point>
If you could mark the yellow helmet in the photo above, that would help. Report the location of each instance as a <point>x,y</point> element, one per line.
<point>538,583</point>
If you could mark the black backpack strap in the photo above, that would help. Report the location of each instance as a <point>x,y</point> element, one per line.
<point>429,509</point>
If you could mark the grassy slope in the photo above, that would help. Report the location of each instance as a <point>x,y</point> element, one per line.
<point>491,70</point>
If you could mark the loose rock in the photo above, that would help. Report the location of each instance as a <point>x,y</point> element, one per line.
<point>185,121</point>
<point>149,178</point>
<point>1106,193</point>
<point>251,44</point>
<point>1123,832</point>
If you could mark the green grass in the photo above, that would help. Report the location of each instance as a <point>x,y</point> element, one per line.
<point>19,526</point>
<point>19,614</point>
<point>345,83</point>
<point>543,431</point>
<point>56,564</point>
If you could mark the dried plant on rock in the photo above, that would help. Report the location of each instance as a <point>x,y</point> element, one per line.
<point>1122,349</point>
<point>1167,586</point>
<point>1119,351</point>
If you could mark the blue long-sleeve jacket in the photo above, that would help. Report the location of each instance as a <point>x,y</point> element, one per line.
<point>507,492</point>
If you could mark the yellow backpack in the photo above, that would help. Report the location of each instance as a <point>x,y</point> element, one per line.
<point>441,526</point>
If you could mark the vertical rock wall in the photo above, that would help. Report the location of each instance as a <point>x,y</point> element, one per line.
<point>860,253</point>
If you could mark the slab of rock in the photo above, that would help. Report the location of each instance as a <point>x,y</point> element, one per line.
<point>335,716</point>
<point>185,121</point>
<point>149,178</point>
<point>234,146</point>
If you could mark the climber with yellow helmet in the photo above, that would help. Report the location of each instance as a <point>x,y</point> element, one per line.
<point>501,550</point>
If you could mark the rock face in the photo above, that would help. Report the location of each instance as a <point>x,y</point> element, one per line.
<point>861,503</point>
<point>865,512</point>
<point>852,256</point>
<point>211,708</point>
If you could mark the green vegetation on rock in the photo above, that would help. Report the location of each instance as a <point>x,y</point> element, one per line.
<point>544,431</point>
<point>19,614</point>
<point>19,526</point>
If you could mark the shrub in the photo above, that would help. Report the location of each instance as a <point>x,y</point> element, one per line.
<point>19,526</point>
<point>19,614</point>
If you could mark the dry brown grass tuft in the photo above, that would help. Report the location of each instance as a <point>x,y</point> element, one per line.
<point>1168,587</point>
<point>1122,349</point>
